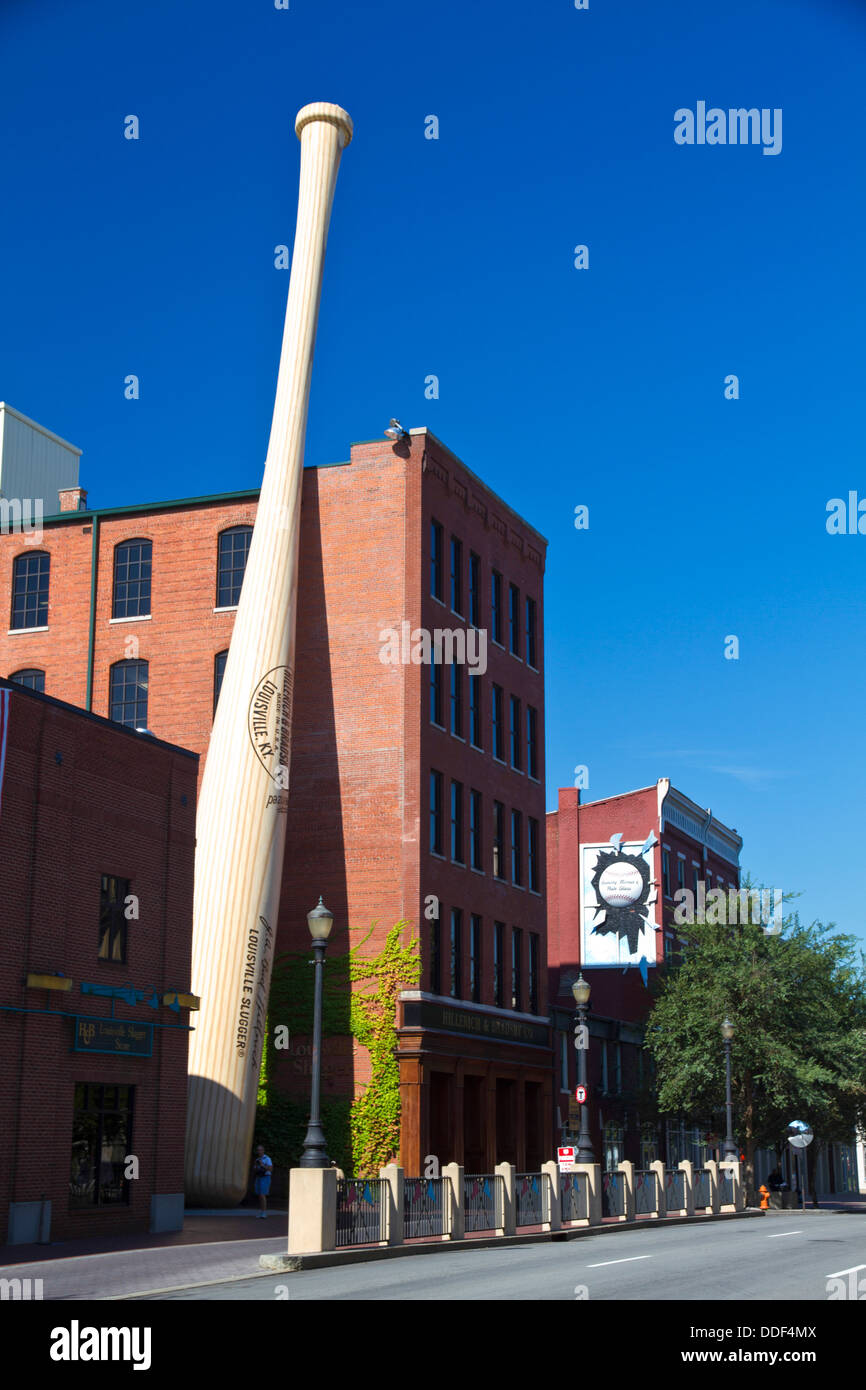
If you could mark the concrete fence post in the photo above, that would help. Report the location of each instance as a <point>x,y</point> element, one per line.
<point>628,1204</point>
<point>393,1175</point>
<point>507,1172</point>
<point>734,1167</point>
<point>592,1173</point>
<point>550,1170</point>
<point>712,1167</point>
<point>453,1175</point>
<point>658,1168</point>
<point>312,1210</point>
<point>688,1185</point>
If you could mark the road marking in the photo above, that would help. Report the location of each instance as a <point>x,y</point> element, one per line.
<point>780,1235</point>
<point>626,1261</point>
<point>853,1270</point>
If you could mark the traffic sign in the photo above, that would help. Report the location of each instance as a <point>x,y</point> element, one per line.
<point>800,1134</point>
<point>565,1157</point>
<point>580,1095</point>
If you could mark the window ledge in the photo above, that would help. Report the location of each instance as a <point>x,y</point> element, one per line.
<point>133,618</point>
<point>229,608</point>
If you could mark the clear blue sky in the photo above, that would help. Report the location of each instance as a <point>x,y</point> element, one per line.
<point>558,386</point>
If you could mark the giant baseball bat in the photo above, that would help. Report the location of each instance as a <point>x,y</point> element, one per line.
<point>240,827</point>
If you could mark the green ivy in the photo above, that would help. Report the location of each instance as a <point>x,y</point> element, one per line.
<point>361,1134</point>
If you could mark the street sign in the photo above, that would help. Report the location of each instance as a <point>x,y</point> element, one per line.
<point>580,1095</point>
<point>800,1134</point>
<point>565,1157</point>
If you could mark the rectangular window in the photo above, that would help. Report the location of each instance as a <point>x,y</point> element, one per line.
<point>617,1057</point>
<point>666,872</point>
<point>681,871</point>
<point>496,606</point>
<point>132,574</point>
<point>532,741</point>
<point>534,860</point>
<point>517,969</point>
<point>498,719</point>
<point>515,732</point>
<point>605,1074</point>
<point>498,840</point>
<point>514,619</point>
<point>112,922</point>
<point>456,575</point>
<point>232,554</point>
<point>435,812</point>
<point>457,699</point>
<point>696,874</point>
<point>475,958</point>
<point>436,560</point>
<point>533,972</point>
<point>531,636</point>
<point>516,848</point>
<point>475,711</point>
<point>669,947</point>
<point>498,962</point>
<point>457,822</point>
<point>476,847</point>
<point>435,692</point>
<point>30,590</point>
<point>456,989</point>
<point>474,589</point>
<point>435,957</point>
<point>101,1140</point>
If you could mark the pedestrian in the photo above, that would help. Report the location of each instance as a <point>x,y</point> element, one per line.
<point>262,1170</point>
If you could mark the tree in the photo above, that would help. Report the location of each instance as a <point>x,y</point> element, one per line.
<point>797,1000</point>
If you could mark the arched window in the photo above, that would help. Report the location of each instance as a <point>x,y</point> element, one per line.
<point>32,678</point>
<point>132,571</point>
<point>219,667</point>
<point>234,547</point>
<point>30,590</point>
<point>127,696</point>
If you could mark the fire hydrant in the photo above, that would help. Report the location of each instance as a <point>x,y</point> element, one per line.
<point>765,1197</point>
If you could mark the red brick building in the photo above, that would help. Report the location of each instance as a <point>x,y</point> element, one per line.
<point>416,784</point>
<point>684,848</point>
<point>97,841</point>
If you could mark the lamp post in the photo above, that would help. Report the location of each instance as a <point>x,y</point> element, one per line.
<point>580,990</point>
<point>730,1150</point>
<point>314,1154</point>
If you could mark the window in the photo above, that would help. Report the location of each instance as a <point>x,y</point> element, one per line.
<point>456,953</point>
<point>498,840</point>
<point>669,947</point>
<point>132,571</point>
<point>234,547</point>
<point>127,694</point>
<point>476,847</point>
<point>515,732</point>
<point>31,679</point>
<point>498,962</point>
<point>475,711</point>
<point>563,1062</point>
<point>514,619</point>
<point>456,699</point>
<point>498,717</point>
<point>435,812</point>
<point>666,872</point>
<point>534,860</point>
<point>113,893</point>
<point>101,1140</point>
<point>696,874</point>
<point>474,589</point>
<point>435,957</point>
<point>533,972</point>
<point>436,691</point>
<point>516,848</point>
<point>681,871</point>
<point>531,637</point>
<point>457,822</point>
<point>496,606</point>
<point>532,741</point>
<point>617,1059</point>
<point>30,590</point>
<point>436,560</point>
<point>605,1076</point>
<point>219,670</point>
<point>516,969</point>
<point>456,575</point>
<point>475,958</point>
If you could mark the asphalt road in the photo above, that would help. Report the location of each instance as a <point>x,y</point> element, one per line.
<point>787,1256</point>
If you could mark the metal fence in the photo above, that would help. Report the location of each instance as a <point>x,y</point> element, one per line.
<point>483,1201</point>
<point>675,1189</point>
<point>646,1189</point>
<point>424,1211</point>
<point>362,1211</point>
<point>702,1190</point>
<point>530,1189</point>
<point>613,1194</point>
<point>574,1196</point>
<point>726,1189</point>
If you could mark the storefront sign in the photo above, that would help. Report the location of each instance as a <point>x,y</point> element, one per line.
<point>442,1018</point>
<point>117,1035</point>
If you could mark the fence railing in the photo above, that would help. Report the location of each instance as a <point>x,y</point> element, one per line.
<point>726,1189</point>
<point>530,1191</point>
<point>362,1211</point>
<point>424,1208</point>
<point>483,1201</point>
<point>646,1187</point>
<point>675,1189</point>
<point>702,1190</point>
<point>613,1195</point>
<point>574,1196</point>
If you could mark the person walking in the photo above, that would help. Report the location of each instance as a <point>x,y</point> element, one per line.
<point>262,1170</point>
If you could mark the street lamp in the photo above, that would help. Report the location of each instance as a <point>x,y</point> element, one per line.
<point>730,1150</point>
<point>580,990</point>
<point>314,1154</point>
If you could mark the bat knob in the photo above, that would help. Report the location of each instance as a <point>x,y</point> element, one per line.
<point>324,111</point>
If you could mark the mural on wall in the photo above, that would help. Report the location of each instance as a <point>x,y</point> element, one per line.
<point>619,924</point>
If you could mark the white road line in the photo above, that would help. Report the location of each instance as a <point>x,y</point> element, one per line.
<point>780,1235</point>
<point>626,1261</point>
<point>838,1275</point>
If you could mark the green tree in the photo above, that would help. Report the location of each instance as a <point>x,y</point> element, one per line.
<point>797,1000</point>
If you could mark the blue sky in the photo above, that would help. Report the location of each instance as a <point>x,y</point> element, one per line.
<point>557,386</point>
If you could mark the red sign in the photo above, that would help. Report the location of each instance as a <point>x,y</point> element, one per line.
<point>580,1095</point>
<point>565,1158</point>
